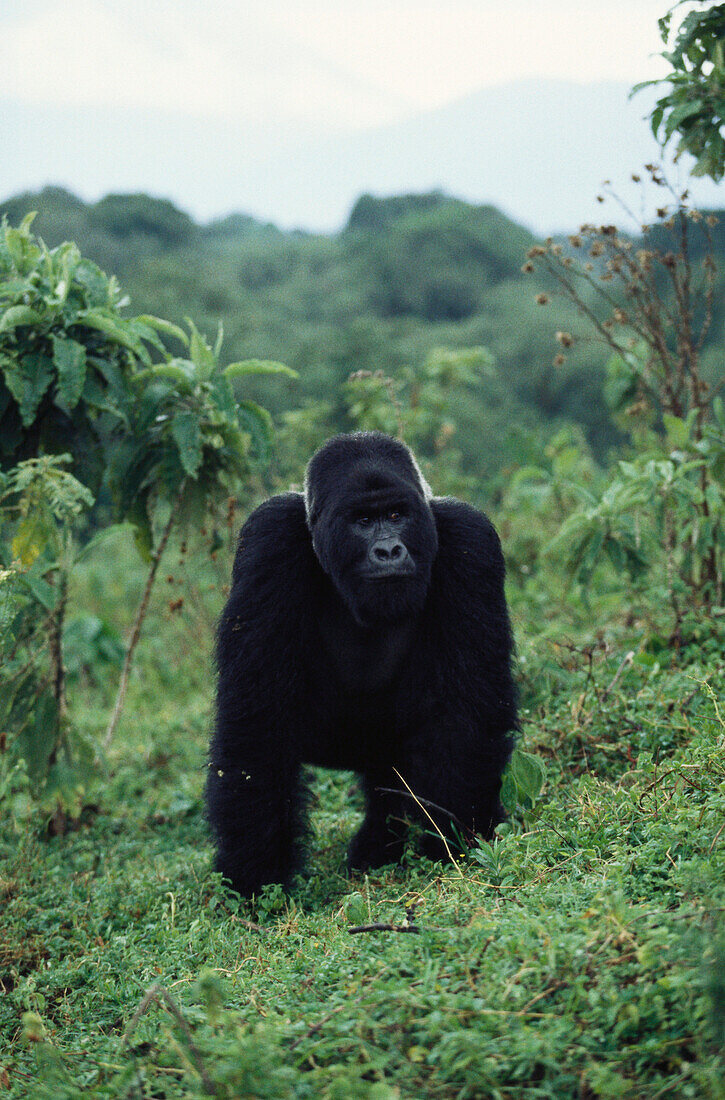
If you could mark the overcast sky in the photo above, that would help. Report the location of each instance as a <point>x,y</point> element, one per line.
<point>335,63</point>
<point>288,109</point>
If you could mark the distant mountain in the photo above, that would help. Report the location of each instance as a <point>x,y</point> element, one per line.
<point>537,149</point>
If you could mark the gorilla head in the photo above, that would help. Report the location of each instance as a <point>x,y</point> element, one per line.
<point>372,528</point>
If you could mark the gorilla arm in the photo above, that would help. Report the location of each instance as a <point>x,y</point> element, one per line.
<point>253,793</point>
<point>466,685</point>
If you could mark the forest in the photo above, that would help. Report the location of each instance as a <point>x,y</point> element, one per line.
<point>159,378</point>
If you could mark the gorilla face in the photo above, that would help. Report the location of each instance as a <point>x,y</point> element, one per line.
<point>372,528</point>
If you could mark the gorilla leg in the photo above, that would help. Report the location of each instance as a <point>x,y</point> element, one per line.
<point>381,837</point>
<point>258,821</point>
<point>461,779</point>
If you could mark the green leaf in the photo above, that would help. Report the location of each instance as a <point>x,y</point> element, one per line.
<point>678,434</point>
<point>680,113</point>
<point>18,315</point>
<point>27,381</point>
<point>508,792</point>
<point>70,361</point>
<point>258,366</point>
<point>115,330</point>
<point>164,326</point>
<point>93,281</point>
<point>258,422</point>
<point>528,772</point>
<point>219,340</point>
<point>31,537</point>
<point>178,371</point>
<point>187,436</point>
<point>201,354</point>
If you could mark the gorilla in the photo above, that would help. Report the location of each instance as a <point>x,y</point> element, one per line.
<point>366,629</point>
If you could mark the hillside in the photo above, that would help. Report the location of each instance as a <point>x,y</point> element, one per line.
<point>406,274</point>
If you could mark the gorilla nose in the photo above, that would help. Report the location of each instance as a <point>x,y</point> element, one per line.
<point>388,550</point>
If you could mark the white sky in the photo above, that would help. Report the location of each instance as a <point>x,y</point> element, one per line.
<point>327,63</point>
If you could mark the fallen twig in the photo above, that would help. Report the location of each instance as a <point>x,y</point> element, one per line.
<point>414,928</point>
<point>466,829</point>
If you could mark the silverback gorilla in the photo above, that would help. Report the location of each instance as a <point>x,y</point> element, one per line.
<point>366,629</point>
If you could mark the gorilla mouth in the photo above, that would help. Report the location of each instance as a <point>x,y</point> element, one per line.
<point>389,574</point>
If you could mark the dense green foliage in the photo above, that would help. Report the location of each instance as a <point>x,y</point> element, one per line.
<point>693,108</point>
<point>406,274</point>
<point>579,954</point>
<point>85,410</point>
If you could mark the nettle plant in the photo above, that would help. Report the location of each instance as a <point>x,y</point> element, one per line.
<point>650,301</point>
<point>93,400</point>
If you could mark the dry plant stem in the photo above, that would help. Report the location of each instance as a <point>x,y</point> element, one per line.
<point>413,795</point>
<point>56,659</point>
<point>158,994</point>
<point>138,622</point>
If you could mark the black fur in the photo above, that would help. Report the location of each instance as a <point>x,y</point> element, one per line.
<point>327,659</point>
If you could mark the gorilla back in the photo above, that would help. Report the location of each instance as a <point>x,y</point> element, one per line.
<point>366,629</point>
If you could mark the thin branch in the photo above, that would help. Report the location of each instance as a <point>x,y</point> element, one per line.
<point>412,928</point>
<point>466,829</point>
<point>138,621</point>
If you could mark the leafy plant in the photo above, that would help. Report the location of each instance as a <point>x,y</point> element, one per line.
<point>667,505</point>
<point>168,439</point>
<point>694,107</point>
<point>40,502</point>
<point>189,447</point>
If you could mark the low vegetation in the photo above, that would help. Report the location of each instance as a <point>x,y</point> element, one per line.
<point>579,954</point>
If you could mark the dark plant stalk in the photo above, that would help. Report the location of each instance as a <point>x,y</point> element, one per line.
<point>55,645</point>
<point>138,621</point>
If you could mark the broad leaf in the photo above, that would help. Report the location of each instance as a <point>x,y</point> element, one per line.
<point>27,381</point>
<point>187,436</point>
<point>70,361</point>
<point>18,315</point>
<point>258,366</point>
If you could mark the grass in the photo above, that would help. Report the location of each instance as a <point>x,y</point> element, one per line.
<point>581,955</point>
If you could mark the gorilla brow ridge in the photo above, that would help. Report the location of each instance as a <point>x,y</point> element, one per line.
<point>371,447</point>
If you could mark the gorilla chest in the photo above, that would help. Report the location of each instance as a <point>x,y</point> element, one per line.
<point>367,661</point>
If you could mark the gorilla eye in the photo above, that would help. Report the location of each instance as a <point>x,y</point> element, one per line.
<point>394,516</point>
<point>364,520</point>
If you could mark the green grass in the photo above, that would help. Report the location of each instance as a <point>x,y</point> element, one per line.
<point>580,956</point>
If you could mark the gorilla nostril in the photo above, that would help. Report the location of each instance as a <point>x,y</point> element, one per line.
<point>396,550</point>
<point>381,553</point>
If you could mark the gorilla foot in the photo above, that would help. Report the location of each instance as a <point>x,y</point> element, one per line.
<point>371,848</point>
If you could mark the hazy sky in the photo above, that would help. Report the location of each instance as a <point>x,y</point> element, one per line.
<point>331,63</point>
<point>289,110</point>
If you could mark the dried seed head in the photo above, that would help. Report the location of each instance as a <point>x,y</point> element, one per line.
<point>559,360</point>
<point>528,267</point>
<point>575,240</point>
<point>542,299</point>
<point>565,339</point>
